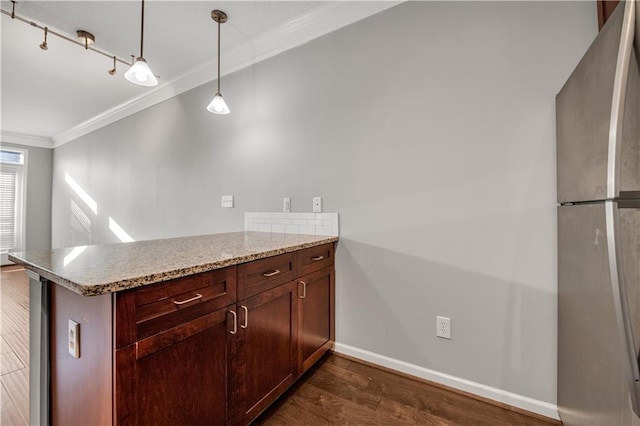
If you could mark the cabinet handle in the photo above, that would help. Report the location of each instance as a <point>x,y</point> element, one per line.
<point>270,273</point>
<point>246,316</point>
<point>235,323</point>
<point>304,290</point>
<point>182,302</point>
<point>316,258</point>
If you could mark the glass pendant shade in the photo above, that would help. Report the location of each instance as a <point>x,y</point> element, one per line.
<point>218,105</point>
<point>141,74</point>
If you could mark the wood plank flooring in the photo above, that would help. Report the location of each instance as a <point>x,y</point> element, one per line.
<point>14,347</point>
<point>347,392</point>
<point>336,391</point>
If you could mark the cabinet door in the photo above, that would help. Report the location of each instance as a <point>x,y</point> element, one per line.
<point>266,362</point>
<point>316,295</point>
<point>176,377</point>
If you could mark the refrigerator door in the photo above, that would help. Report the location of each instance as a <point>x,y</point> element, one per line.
<point>593,376</point>
<point>590,371</point>
<point>584,109</point>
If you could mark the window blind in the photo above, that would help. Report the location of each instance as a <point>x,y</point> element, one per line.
<point>8,207</point>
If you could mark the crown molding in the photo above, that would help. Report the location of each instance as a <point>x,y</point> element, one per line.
<point>328,18</point>
<point>24,139</point>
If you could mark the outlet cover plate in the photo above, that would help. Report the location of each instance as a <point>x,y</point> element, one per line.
<point>227,201</point>
<point>443,327</point>
<point>74,339</point>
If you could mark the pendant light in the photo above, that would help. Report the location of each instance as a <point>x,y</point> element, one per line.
<point>218,105</point>
<point>140,73</point>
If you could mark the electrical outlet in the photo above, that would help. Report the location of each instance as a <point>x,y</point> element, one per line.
<point>227,201</point>
<point>317,204</point>
<point>443,327</point>
<point>286,205</point>
<point>74,339</point>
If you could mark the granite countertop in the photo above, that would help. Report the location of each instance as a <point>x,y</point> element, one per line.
<point>101,269</point>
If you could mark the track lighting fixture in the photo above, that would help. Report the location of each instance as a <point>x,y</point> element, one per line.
<point>86,38</point>
<point>112,71</point>
<point>217,104</point>
<point>43,45</point>
<point>140,73</point>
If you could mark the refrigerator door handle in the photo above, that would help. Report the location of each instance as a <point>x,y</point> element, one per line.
<point>618,100</point>
<point>621,303</point>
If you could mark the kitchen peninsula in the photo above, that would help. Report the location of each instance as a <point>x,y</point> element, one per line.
<point>194,330</point>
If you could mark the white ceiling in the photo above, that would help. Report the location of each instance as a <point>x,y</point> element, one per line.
<point>57,95</point>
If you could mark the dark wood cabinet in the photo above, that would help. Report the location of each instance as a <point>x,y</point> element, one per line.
<point>267,339</point>
<point>316,317</point>
<point>179,376</point>
<point>605,9</point>
<point>216,347</point>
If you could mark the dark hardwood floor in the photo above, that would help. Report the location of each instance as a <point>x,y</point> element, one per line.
<point>342,391</point>
<point>335,391</point>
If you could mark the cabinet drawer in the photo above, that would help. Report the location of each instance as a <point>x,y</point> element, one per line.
<point>315,258</point>
<point>152,309</point>
<point>260,275</point>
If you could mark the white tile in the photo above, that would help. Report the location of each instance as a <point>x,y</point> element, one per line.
<point>265,228</point>
<point>253,228</point>
<point>299,222</point>
<point>308,229</point>
<point>278,215</point>
<point>283,221</point>
<point>335,229</point>
<point>307,216</point>
<point>328,222</point>
<point>315,222</point>
<point>277,229</point>
<point>323,230</point>
<point>292,229</point>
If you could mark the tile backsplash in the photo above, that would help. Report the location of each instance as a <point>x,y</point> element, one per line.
<point>293,223</point>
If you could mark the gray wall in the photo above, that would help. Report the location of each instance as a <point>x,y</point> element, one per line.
<point>428,127</point>
<point>38,203</point>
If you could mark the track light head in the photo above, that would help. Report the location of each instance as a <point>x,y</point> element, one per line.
<point>43,45</point>
<point>86,38</point>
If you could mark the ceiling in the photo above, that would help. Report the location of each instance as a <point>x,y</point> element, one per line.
<point>54,96</point>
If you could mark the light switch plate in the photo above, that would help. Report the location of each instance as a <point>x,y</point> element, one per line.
<point>74,339</point>
<point>227,201</point>
<point>286,205</point>
<point>317,204</point>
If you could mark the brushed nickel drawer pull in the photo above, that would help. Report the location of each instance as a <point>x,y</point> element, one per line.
<point>246,316</point>
<point>182,302</point>
<point>316,258</point>
<point>304,290</point>
<point>235,323</point>
<point>271,273</point>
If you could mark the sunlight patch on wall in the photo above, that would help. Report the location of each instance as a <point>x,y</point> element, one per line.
<point>119,232</point>
<point>90,202</point>
<point>80,226</point>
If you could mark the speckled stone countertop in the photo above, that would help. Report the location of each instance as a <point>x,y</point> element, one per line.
<point>101,269</point>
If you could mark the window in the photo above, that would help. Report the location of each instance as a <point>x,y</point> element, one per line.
<point>12,171</point>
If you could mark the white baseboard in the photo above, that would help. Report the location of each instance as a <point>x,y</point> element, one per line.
<point>523,402</point>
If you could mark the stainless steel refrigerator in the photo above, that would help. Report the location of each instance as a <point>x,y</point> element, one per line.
<point>598,157</point>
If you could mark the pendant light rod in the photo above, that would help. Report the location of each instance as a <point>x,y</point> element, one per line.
<point>218,55</point>
<point>62,36</point>
<point>142,31</point>
<point>220,17</point>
